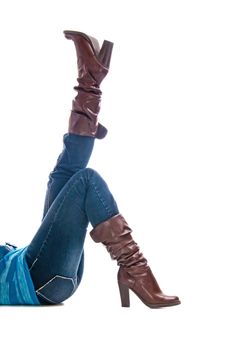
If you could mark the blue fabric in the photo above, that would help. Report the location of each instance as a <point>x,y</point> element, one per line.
<point>16,286</point>
<point>76,195</point>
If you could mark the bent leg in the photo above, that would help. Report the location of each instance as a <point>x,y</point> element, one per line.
<point>55,253</point>
<point>75,156</point>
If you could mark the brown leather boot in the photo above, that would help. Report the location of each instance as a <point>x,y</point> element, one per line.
<point>134,272</point>
<point>93,65</point>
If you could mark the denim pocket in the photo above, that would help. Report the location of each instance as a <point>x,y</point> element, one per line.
<point>57,289</point>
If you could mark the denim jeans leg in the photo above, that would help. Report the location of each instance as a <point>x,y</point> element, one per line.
<point>55,253</point>
<point>75,156</point>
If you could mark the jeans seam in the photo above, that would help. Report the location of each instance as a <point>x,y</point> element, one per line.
<point>101,199</point>
<point>38,292</point>
<point>47,203</point>
<point>33,264</point>
<point>51,279</point>
<point>43,296</point>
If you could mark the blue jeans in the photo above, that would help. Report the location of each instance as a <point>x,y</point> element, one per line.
<point>75,196</point>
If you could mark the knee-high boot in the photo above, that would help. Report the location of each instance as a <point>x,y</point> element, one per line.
<point>93,65</point>
<point>134,272</point>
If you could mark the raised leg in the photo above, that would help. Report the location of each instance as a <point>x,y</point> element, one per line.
<point>75,156</point>
<point>58,244</point>
<point>83,127</point>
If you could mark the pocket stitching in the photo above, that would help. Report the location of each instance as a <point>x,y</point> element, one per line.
<point>43,296</point>
<point>67,278</point>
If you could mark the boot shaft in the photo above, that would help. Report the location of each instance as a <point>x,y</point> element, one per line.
<point>115,234</point>
<point>93,65</point>
<point>134,272</point>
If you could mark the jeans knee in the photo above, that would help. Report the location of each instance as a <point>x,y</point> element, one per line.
<point>90,173</point>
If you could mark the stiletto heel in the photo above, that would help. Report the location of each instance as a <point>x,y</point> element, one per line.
<point>124,294</point>
<point>105,53</point>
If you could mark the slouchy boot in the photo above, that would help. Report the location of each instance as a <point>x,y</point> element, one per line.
<point>93,65</point>
<point>134,272</point>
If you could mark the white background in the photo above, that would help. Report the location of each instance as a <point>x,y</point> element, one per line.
<point>167,159</point>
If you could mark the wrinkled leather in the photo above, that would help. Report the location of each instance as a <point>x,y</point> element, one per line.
<point>86,105</point>
<point>134,271</point>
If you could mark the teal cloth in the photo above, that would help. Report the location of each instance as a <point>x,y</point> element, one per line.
<point>16,286</point>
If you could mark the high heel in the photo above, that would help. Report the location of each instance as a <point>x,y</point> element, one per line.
<point>103,55</point>
<point>134,273</point>
<point>124,294</point>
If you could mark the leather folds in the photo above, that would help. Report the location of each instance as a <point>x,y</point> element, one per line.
<point>93,65</point>
<point>134,272</point>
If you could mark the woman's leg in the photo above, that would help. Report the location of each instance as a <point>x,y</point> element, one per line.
<point>54,255</point>
<point>93,66</point>
<point>75,156</point>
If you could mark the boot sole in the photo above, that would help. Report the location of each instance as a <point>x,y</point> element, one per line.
<point>125,298</point>
<point>157,306</point>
